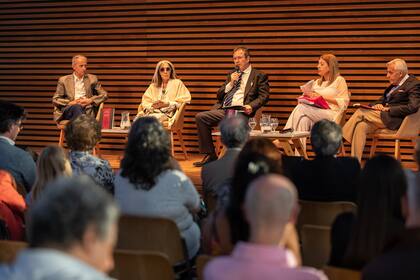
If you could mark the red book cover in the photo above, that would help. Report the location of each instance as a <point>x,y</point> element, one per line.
<point>107,118</point>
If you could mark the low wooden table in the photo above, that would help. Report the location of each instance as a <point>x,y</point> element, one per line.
<point>283,138</point>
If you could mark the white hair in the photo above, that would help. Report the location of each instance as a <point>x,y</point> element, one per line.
<point>399,65</point>
<point>76,57</point>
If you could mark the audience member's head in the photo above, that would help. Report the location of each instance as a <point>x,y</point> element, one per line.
<point>259,156</point>
<point>11,117</point>
<point>234,131</point>
<point>413,194</point>
<point>381,191</point>
<point>82,133</point>
<point>270,203</point>
<point>147,152</point>
<point>326,137</point>
<point>52,164</point>
<point>77,217</point>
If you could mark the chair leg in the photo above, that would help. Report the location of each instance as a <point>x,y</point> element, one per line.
<point>172,144</point>
<point>342,151</point>
<point>373,147</point>
<point>61,138</point>
<point>397,152</point>
<point>181,141</point>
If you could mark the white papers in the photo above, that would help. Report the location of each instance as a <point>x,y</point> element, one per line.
<point>307,87</point>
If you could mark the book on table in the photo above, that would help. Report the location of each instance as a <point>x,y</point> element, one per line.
<point>108,118</point>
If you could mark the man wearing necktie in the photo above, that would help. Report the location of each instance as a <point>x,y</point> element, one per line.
<point>400,99</point>
<point>245,87</point>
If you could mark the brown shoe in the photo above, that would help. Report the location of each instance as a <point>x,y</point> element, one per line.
<point>207,158</point>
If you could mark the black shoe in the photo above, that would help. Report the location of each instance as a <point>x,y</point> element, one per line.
<point>208,158</point>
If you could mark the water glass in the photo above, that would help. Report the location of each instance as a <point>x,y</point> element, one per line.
<point>274,122</point>
<point>265,123</point>
<point>125,120</point>
<point>252,122</point>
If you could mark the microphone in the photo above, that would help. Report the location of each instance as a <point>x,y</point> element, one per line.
<point>237,71</point>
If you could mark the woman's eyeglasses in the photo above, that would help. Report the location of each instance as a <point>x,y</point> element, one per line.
<point>167,69</point>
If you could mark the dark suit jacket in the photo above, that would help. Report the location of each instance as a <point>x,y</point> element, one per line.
<point>215,173</point>
<point>257,90</point>
<point>404,101</point>
<point>65,93</point>
<point>324,178</point>
<point>400,259</point>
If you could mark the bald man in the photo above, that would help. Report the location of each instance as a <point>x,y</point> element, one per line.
<point>270,203</point>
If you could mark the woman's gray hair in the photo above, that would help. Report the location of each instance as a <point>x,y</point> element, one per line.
<point>326,138</point>
<point>157,79</point>
<point>234,131</point>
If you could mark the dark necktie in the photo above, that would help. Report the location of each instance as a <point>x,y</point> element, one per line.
<point>389,94</point>
<point>231,93</point>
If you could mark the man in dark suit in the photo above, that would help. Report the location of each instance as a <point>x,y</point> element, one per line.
<point>234,133</point>
<point>78,93</point>
<point>325,178</point>
<point>400,99</point>
<point>245,87</point>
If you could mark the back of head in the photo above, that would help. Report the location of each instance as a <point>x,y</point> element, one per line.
<point>10,114</point>
<point>270,201</point>
<point>82,133</point>
<point>234,131</point>
<point>326,137</point>
<point>52,164</point>
<point>147,152</point>
<point>68,207</point>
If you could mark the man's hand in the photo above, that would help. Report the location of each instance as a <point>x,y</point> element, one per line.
<point>234,77</point>
<point>85,101</point>
<point>247,109</point>
<point>380,107</point>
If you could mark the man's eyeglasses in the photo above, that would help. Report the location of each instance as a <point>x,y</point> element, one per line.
<point>167,69</point>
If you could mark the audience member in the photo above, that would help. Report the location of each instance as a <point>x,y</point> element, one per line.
<point>234,133</point>
<point>165,94</point>
<point>411,175</point>
<point>72,230</point>
<point>326,177</point>
<point>148,185</point>
<point>331,86</point>
<point>82,135</point>
<point>52,164</point>
<point>358,238</point>
<point>13,159</point>
<point>12,208</point>
<point>401,255</point>
<point>77,93</point>
<point>401,98</point>
<point>270,204</point>
<point>245,87</point>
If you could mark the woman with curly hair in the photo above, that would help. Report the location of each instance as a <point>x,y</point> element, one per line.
<point>149,186</point>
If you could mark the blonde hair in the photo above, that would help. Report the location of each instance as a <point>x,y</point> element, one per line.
<point>51,164</point>
<point>157,79</point>
<point>332,62</point>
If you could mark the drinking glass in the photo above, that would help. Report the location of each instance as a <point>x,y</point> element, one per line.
<point>252,123</point>
<point>265,123</point>
<point>125,120</point>
<point>274,122</point>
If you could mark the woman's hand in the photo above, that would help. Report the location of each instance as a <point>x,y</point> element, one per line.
<point>311,94</point>
<point>160,104</point>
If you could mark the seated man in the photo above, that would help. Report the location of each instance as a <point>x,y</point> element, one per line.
<point>400,99</point>
<point>245,87</point>
<point>13,159</point>
<point>234,133</point>
<point>72,231</point>
<point>77,93</point>
<point>326,177</point>
<point>270,203</point>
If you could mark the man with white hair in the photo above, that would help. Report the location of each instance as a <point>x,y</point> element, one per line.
<point>270,203</point>
<point>400,99</point>
<point>77,93</point>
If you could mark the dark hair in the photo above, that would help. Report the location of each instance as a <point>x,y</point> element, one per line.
<point>10,114</point>
<point>147,153</point>
<point>67,208</point>
<point>82,133</point>
<point>326,137</point>
<point>244,49</point>
<point>382,185</point>
<point>234,131</point>
<point>258,157</point>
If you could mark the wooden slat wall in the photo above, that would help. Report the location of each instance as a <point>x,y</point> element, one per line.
<point>124,39</point>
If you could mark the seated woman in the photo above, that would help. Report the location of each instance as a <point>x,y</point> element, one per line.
<point>82,135</point>
<point>358,238</point>
<point>165,94</point>
<point>148,185</point>
<point>331,86</point>
<point>52,163</point>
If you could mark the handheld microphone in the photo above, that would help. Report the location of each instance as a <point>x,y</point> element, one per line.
<point>237,69</point>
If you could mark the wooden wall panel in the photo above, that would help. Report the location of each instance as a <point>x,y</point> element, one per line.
<point>124,39</point>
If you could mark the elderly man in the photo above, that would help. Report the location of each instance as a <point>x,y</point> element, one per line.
<point>400,99</point>
<point>77,93</point>
<point>270,203</point>
<point>326,177</point>
<point>234,133</point>
<point>72,231</point>
<point>13,159</point>
<point>245,87</point>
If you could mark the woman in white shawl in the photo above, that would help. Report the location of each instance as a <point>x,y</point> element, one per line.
<point>165,94</point>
